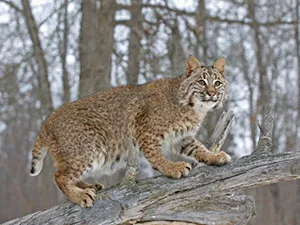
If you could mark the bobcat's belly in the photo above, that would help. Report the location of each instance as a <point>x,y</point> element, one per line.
<point>100,167</point>
<point>109,161</point>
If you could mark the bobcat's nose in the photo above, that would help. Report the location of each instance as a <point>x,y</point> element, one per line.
<point>211,93</point>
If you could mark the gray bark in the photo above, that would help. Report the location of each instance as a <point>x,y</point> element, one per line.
<point>63,55</point>
<point>221,131</point>
<point>136,32</point>
<point>265,140</point>
<point>297,40</point>
<point>95,46</point>
<point>132,167</point>
<point>175,50</point>
<point>206,196</point>
<point>199,198</point>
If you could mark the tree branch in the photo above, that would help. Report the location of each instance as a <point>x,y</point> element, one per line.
<point>248,22</point>
<point>206,196</point>
<point>266,128</point>
<point>52,14</point>
<point>12,5</point>
<point>164,199</point>
<point>220,132</point>
<point>158,6</point>
<point>245,21</point>
<point>44,85</point>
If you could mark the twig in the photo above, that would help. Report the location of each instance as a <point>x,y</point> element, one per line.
<point>12,5</point>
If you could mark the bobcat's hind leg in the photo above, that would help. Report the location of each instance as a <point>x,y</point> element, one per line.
<point>68,184</point>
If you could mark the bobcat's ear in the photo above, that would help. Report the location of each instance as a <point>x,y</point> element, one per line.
<point>220,65</point>
<point>191,64</point>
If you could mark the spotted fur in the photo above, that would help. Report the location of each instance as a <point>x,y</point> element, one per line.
<point>95,134</point>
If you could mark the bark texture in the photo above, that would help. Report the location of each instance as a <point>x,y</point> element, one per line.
<point>206,196</point>
<point>221,131</point>
<point>265,140</point>
<point>63,55</point>
<point>136,33</point>
<point>96,43</point>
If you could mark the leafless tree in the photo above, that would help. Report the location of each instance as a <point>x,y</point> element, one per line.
<point>56,51</point>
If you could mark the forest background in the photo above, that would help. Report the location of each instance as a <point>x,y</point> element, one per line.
<point>54,52</point>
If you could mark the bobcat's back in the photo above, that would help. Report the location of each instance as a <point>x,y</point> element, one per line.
<point>103,125</point>
<point>97,132</point>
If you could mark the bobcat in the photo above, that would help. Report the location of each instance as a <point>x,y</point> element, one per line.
<point>97,132</point>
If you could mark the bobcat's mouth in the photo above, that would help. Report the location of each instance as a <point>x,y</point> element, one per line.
<point>211,100</point>
<point>208,98</point>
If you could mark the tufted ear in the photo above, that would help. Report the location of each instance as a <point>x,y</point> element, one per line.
<point>191,64</point>
<point>220,65</point>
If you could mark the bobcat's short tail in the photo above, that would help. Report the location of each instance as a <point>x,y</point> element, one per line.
<point>38,154</point>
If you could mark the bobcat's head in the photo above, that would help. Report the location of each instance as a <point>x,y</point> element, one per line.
<point>204,86</point>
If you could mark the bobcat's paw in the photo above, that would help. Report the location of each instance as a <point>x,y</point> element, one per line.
<point>87,197</point>
<point>98,187</point>
<point>177,169</point>
<point>222,158</point>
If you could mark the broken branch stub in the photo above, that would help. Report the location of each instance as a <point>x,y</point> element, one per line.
<point>220,132</point>
<point>264,144</point>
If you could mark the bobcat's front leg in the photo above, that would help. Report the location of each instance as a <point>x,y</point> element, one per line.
<point>150,145</point>
<point>192,147</point>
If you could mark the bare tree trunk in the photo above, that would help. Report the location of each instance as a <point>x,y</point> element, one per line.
<point>96,44</point>
<point>297,39</point>
<point>63,55</point>
<point>44,85</point>
<point>201,30</point>
<point>263,82</point>
<point>136,33</point>
<point>175,52</point>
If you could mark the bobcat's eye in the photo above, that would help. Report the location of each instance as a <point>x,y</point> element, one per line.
<point>202,82</point>
<point>217,83</point>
